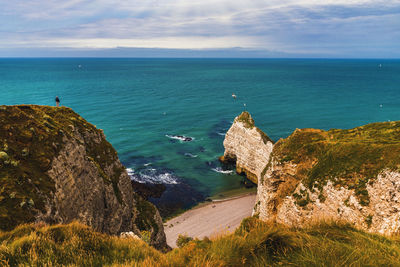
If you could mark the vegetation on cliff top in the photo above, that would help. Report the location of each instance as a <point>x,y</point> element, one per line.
<point>246,119</point>
<point>30,138</point>
<point>248,122</point>
<point>255,243</point>
<point>350,158</point>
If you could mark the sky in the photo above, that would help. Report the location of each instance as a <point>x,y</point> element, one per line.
<point>200,28</point>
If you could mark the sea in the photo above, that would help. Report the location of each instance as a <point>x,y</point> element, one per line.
<point>167,117</point>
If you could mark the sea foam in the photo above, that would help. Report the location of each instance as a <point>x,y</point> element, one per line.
<point>153,176</point>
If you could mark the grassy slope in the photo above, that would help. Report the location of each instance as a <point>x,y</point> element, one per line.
<point>254,244</point>
<point>30,137</point>
<point>350,158</point>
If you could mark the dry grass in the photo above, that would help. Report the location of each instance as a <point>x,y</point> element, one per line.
<point>255,243</point>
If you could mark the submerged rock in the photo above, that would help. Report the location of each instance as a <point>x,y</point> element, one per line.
<point>70,173</point>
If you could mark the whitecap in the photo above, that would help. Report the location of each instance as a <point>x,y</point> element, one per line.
<point>220,170</point>
<point>153,176</point>
<point>130,171</point>
<point>190,155</point>
<point>222,134</point>
<point>181,138</point>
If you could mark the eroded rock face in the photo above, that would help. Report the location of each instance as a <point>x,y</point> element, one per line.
<point>314,175</point>
<point>65,170</point>
<point>83,194</point>
<point>247,146</point>
<point>382,215</point>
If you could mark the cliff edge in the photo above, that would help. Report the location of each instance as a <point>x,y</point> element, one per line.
<point>351,175</point>
<point>56,167</point>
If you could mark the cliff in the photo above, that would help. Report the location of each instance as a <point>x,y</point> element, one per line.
<point>56,167</point>
<point>350,175</point>
<point>247,146</point>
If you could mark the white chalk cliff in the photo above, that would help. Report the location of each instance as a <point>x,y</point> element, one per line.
<point>313,175</point>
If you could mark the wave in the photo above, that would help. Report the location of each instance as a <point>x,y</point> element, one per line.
<point>153,176</point>
<point>182,138</point>
<point>130,171</point>
<point>222,134</point>
<point>190,155</point>
<point>220,170</point>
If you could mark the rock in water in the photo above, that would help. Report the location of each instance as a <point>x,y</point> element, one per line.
<point>350,175</point>
<point>70,173</point>
<point>247,146</point>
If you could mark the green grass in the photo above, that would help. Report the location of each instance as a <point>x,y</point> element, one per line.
<point>350,158</point>
<point>30,137</point>
<point>255,243</point>
<point>246,119</point>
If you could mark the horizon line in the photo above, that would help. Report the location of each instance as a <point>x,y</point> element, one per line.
<point>187,57</point>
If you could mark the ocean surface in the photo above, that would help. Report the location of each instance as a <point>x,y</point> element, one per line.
<point>144,104</point>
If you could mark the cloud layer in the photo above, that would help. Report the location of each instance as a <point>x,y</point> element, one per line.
<point>332,28</point>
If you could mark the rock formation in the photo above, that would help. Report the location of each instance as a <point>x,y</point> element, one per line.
<point>351,175</point>
<point>247,146</point>
<point>56,167</point>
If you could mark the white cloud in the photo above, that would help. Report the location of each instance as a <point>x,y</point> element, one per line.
<point>285,25</point>
<point>188,42</point>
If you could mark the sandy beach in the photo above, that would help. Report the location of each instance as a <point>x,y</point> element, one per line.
<point>211,219</point>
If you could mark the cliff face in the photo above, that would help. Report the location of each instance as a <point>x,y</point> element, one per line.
<point>56,167</point>
<point>351,175</point>
<point>247,146</point>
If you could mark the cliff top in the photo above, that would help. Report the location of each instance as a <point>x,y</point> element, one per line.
<point>351,158</point>
<point>246,119</point>
<point>248,122</point>
<point>30,138</point>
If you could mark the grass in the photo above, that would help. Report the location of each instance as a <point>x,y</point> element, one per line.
<point>30,138</point>
<point>350,158</point>
<point>246,119</point>
<point>248,122</point>
<point>255,243</point>
<point>73,244</point>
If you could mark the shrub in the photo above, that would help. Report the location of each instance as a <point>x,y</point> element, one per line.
<point>183,240</point>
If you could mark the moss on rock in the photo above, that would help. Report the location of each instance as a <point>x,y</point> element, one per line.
<point>246,119</point>
<point>30,138</point>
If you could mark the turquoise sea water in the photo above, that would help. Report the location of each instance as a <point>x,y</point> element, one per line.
<point>139,101</point>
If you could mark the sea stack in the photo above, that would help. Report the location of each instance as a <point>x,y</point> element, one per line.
<point>55,167</point>
<point>247,147</point>
<point>313,175</point>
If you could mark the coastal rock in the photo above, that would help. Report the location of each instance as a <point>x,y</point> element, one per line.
<point>247,147</point>
<point>129,235</point>
<point>351,175</point>
<point>70,173</point>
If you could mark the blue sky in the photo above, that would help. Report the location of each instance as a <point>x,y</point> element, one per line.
<point>205,28</point>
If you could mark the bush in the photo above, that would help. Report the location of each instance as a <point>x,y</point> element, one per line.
<point>183,240</point>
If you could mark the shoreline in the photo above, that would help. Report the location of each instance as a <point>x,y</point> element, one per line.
<point>219,197</point>
<point>210,218</point>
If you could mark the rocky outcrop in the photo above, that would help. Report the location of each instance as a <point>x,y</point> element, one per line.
<point>247,147</point>
<point>59,168</point>
<point>350,175</point>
